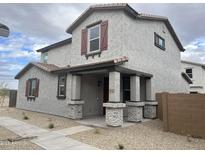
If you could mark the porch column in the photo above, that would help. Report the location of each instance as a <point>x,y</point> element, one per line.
<point>76,104</point>
<point>149,90</point>
<point>114,109</point>
<point>150,108</point>
<point>135,88</point>
<point>134,106</point>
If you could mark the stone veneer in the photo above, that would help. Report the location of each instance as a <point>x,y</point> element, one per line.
<point>75,109</point>
<point>114,114</point>
<point>150,109</point>
<point>135,111</point>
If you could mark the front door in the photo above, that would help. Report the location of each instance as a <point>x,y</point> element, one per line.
<point>105,92</point>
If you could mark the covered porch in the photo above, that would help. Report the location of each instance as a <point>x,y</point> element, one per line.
<point>104,89</point>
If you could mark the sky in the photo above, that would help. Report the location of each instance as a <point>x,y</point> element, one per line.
<point>33,26</point>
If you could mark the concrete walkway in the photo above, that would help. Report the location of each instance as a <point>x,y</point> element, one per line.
<point>49,140</point>
<point>73,130</point>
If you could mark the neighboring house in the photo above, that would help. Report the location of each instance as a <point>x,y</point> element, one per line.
<point>115,55</point>
<point>196,73</point>
<point>4,30</point>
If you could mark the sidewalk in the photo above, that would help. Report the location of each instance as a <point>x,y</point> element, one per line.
<point>49,140</point>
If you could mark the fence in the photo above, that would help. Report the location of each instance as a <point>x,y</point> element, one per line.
<point>12,98</point>
<point>182,113</point>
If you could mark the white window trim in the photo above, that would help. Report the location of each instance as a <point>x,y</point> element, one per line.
<point>59,90</point>
<point>98,25</point>
<point>60,85</point>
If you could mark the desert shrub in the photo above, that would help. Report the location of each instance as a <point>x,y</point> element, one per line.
<point>25,117</point>
<point>97,131</point>
<point>121,146</point>
<point>51,126</point>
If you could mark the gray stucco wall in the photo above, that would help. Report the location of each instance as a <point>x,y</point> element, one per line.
<point>138,46</point>
<point>46,101</point>
<point>198,76</point>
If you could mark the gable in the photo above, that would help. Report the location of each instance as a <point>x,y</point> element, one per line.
<point>42,66</point>
<point>128,10</point>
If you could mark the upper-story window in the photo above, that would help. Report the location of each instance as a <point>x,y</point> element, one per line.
<point>44,58</point>
<point>159,41</point>
<point>94,38</point>
<point>189,72</point>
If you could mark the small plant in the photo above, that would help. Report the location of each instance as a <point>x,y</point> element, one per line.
<point>97,131</point>
<point>25,117</point>
<point>51,126</point>
<point>121,146</point>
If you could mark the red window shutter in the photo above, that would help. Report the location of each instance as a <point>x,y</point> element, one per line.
<point>84,37</point>
<point>27,86</point>
<point>37,87</point>
<point>104,35</point>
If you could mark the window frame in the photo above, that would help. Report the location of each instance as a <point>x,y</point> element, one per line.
<point>189,74</point>
<point>89,40</point>
<point>59,96</point>
<point>156,41</point>
<point>29,92</point>
<point>45,54</point>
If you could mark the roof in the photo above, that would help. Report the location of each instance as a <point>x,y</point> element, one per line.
<point>45,67</point>
<point>55,45</point>
<point>95,65</point>
<point>186,77</point>
<point>116,6</point>
<point>193,63</point>
<point>130,11</point>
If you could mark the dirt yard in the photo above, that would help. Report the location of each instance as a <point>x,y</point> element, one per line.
<point>143,136</point>
<point>18,145</point>
<point>38,119</point>
<point>147,135</point>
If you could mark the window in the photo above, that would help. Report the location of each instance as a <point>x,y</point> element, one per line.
<point>94,38</point>
<point>189,72</point>
<point>44,57</point>
<point>61,86</point>
<point>159,41</point>
<point>32,88</point>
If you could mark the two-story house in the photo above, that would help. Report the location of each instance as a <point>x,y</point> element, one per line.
<point>196,72</point>
<point>115,55</point>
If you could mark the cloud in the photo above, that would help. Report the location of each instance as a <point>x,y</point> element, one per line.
<point>45,21</point>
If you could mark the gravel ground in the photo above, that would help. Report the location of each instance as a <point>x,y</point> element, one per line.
<point>147,135</point>
<point>38,119</point>
<point>18,145</point>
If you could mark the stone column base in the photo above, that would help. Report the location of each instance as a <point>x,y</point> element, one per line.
<point>150,109</point>
<point>75,109</point>
<point>135,111</point>
<point>114,114</point>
